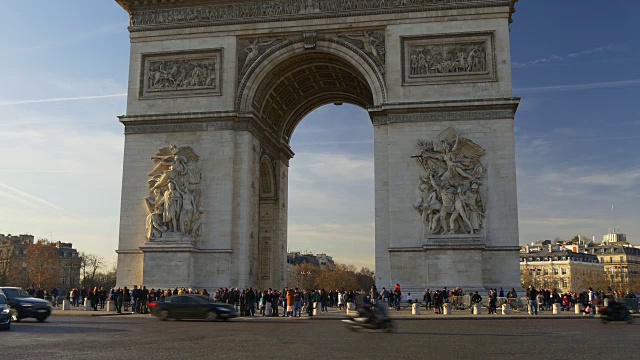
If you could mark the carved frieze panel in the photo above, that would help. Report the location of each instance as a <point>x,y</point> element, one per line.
<point>448,58</point>
<point>451,185</point>
<point>272,9</point>
<point>181,74</point>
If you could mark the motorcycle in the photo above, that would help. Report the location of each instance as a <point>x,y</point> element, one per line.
<point>615,312</point>
<point>375,319</point>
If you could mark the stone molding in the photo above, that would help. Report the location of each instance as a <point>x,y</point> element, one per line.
<point>186,127</point>
<point>445,115</point>
<point>179,248</point>
<point>181,74</point>
<point>448,58</point>
<point>168,17</point>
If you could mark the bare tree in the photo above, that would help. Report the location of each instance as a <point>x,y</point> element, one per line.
<point>89,266</point>
<point>303,276</point>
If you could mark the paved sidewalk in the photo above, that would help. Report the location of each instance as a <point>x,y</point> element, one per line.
<point>333,313</point>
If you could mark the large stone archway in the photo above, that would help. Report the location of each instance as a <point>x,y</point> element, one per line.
<point>217,89</point>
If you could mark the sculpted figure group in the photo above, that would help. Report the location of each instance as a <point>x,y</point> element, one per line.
<point>182,74</point>
<point>448,59</point>
<point>450,200</point>
<point>174,202</point>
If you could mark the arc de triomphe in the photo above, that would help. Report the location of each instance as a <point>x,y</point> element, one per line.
<point>217,87</point>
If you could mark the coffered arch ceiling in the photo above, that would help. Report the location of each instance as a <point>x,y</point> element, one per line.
<point>303,83</point>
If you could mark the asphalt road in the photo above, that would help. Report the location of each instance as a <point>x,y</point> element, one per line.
<point>134,337</point>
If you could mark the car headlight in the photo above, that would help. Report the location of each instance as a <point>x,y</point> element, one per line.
<point>4,311</point>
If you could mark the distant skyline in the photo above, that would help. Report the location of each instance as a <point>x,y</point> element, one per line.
<point>65,72</point>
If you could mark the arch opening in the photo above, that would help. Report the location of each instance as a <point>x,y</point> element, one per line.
<point>331,186</point>
<point>303,83</point>
<point>285,85</point>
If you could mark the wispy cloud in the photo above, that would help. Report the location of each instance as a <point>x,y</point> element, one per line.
<point>573,87</point>
<point>79,98</point>
<point>572,56</point>
<point>17,193</point>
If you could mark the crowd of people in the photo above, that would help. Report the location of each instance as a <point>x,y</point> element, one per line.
<point>293,302</point>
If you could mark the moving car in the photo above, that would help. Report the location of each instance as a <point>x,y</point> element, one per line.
<point>22,305</point>
<point>5,317</point>
<point>191,307</point>
<point>615,312</point>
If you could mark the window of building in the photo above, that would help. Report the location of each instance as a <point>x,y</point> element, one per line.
<point>610,259</point>
<point>546,271</point>
<point>564,271</point>
<point>555,271</point>
<point>621,258</point>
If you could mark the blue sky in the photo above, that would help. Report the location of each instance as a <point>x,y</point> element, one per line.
<point>575,65</point>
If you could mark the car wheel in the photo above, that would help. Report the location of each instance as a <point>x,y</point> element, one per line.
<point>212,316</point>
<point>163,315</point>
<point>15,317</point>
<point>6,327</point>
<point>389,327</point>
<point>41,318</point>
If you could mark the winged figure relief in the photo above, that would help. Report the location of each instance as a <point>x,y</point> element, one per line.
<point>450,199</point>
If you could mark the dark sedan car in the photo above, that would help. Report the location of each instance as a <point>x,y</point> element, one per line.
<point>24,305</point>
<point>191,307</point>
<point>5,317</point>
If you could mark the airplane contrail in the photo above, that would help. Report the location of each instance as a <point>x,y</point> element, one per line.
<point>600,85</point>
<point>21,102</point>
<point>27,196</point>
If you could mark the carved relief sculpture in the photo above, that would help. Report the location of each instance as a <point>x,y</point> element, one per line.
<point>372,43</point>
<point>252,51</point>
<point>181,74</point>
<point>448,58</point>
<point>450,198</point>
<point>174,207</point>
<point>275,8</point>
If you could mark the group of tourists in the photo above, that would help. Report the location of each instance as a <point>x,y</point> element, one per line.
<point>294,302</point>
<point>545,298</point>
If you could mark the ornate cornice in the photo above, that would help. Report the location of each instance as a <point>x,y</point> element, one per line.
<point>167,14</point>
<point>445,111</point>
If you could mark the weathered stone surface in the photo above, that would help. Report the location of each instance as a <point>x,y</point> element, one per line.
<point>234,94</point>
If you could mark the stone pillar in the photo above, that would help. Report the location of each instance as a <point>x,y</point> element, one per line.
<point>317,308</point>
<point>111,306</point>
<point>65,305</point>
<point>87,304</point>
<point>477,309</point>
<point>556,309</point>
<point>351,307</point>
<point>415,308</point>
<point>506,309</point>
<point>446,309</point>
<point>579,308</point>
<point>606,302</point>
